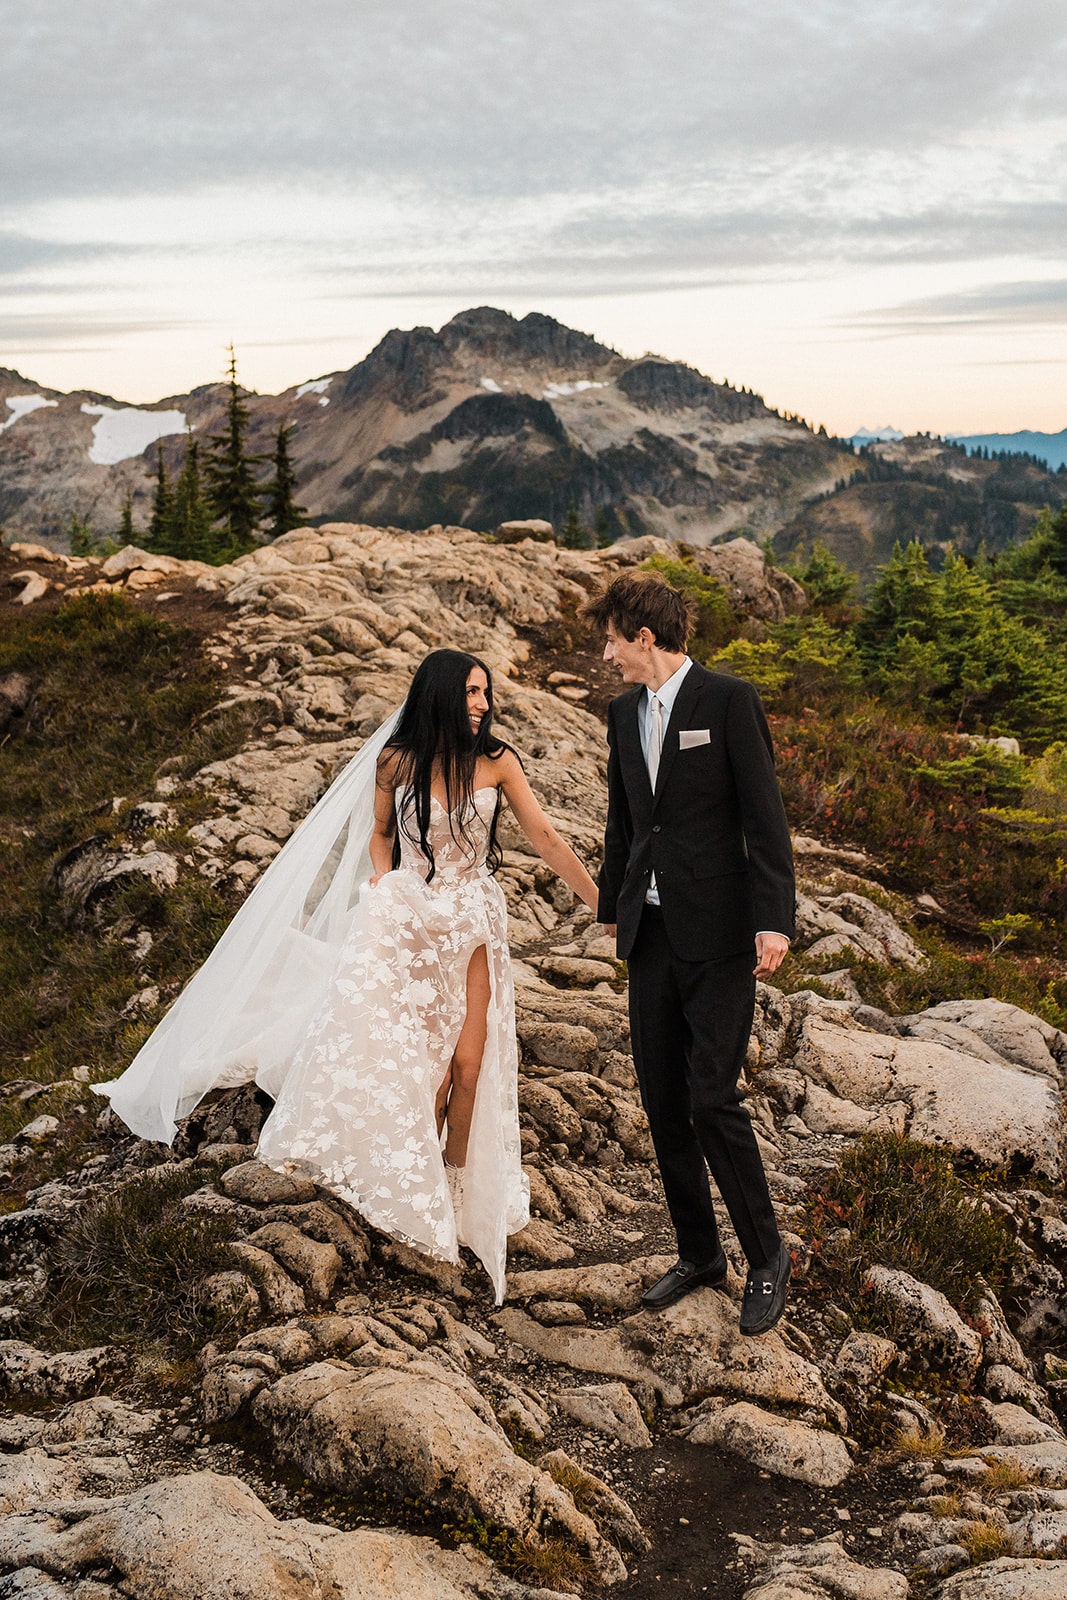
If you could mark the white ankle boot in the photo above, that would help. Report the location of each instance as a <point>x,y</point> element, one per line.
<point>454,1177</point>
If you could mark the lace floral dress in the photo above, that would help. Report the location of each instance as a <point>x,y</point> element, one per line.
<point>356,1107</point>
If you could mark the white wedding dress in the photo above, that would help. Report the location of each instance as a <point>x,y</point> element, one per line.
<point>356,1107</point>
<point>344,1001</point>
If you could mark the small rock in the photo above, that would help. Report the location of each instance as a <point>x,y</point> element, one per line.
<point>608,1408</point>
<point>261,1185</point>
<point>814,1571</point>
<point>863,1360</point>
<point>231,1295</point>
<point>941,1559</point>
<point>283,1297</point>
<point>38,1131</point>
<point>25,1370</point>
<point>316,1265</point>
<point>541,1242</point>
<point>936,1332</point>
<point>558,1313</point>
<point>774,1443</point>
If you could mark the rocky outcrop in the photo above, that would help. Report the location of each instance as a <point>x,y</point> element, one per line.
<point>430,1432</point>
<point>1004,1114</point>
<point>206,1537</point>
<point>384,1383</point>
<point>690,1350</point>
<point>809,1572</point>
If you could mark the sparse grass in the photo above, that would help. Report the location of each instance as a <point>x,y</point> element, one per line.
<point>216,740</point>
<point>115,690</point>
<point>1002,1476</point>
<point>949,1506</point>
<point>984,1541</point>
<point>900,1203</point>
<point>912,1444</point>
<point>553,1564</point>
<point>1033,981</point>
<point>129,1269</point>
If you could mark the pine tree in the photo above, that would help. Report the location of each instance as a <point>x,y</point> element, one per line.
<point>602,529</point>
<point>235,495</point>
<point>80,533</point>
<point>125,531</point>
<point>282,511</point>
<point>572,535</point>
<point>162,503</point>
<point>1058,542</point>
<point>190,533</point>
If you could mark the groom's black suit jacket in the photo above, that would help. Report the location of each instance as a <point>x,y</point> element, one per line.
<point>714,832</point>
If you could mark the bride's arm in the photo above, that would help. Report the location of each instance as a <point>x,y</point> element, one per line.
<point>384,830</point>
<point>552,849</point>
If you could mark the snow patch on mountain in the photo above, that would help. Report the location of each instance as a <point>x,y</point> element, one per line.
<point>21,405</point>
<point>128,432</point>
<point>492,385</point>
<point>315,386</point>
<point>556,391</point>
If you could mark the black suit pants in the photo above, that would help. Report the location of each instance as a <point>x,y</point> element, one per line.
<point>690,1022</point>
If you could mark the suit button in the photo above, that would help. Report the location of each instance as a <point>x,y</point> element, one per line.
<point>655,827</point>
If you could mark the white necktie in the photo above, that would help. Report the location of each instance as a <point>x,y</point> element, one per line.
<point>655,740</point>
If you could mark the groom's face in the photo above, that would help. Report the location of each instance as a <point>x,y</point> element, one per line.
<point>633,657</point>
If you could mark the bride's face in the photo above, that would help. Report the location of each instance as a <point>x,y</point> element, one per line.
<point>477,697</point>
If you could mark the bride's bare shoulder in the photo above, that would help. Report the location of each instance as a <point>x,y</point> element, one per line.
<point>388,769</point>
<point>499,769</point>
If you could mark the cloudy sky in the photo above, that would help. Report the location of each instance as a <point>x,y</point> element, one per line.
<point>858,209</point>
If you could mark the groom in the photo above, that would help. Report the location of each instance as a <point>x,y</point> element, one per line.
<point>698,877</point>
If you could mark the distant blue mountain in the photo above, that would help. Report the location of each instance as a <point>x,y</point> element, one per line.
<point>869,435</point>
<point>1050,447</point>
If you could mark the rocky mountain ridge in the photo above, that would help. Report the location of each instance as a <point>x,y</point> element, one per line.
<point>488,419</point>
<point>927,489</point>
<point>359,1398</point>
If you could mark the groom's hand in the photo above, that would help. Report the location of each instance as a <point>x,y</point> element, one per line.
<point>771,950</point>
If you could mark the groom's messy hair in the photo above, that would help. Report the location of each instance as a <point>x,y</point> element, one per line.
<point>644,600</point>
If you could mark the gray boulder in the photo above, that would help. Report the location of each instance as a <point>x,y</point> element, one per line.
<point>202,1536</point>
<point>432,1435</point>
<point>929,1326</point>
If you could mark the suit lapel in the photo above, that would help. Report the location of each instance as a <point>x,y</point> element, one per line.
<point>631,755</point>
<point>684,701</point>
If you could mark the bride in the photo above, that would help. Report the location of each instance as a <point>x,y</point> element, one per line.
<point>366,984</point>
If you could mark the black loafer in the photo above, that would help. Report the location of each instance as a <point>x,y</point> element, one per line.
<point>683,1277</point>
<point>765,1289</point>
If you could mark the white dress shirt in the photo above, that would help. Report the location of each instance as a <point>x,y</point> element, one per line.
<point>666,694</point>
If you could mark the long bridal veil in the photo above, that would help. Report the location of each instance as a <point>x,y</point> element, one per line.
<point>249,1006</point>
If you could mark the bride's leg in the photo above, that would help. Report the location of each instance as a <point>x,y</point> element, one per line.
<point>440,1105</point>
<point>467,1059</point>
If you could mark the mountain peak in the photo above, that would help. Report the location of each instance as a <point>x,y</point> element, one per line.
<point>498,335</point>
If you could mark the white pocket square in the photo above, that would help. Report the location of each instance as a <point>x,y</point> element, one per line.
<point>689,738</point>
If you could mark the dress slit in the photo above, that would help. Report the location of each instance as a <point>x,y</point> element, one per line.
<point>356,1108</point>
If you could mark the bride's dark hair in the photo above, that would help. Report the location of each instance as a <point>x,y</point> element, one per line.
<point>434,735</point>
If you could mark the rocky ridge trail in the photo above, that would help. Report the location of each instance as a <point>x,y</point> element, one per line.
<point>359,1399</point>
